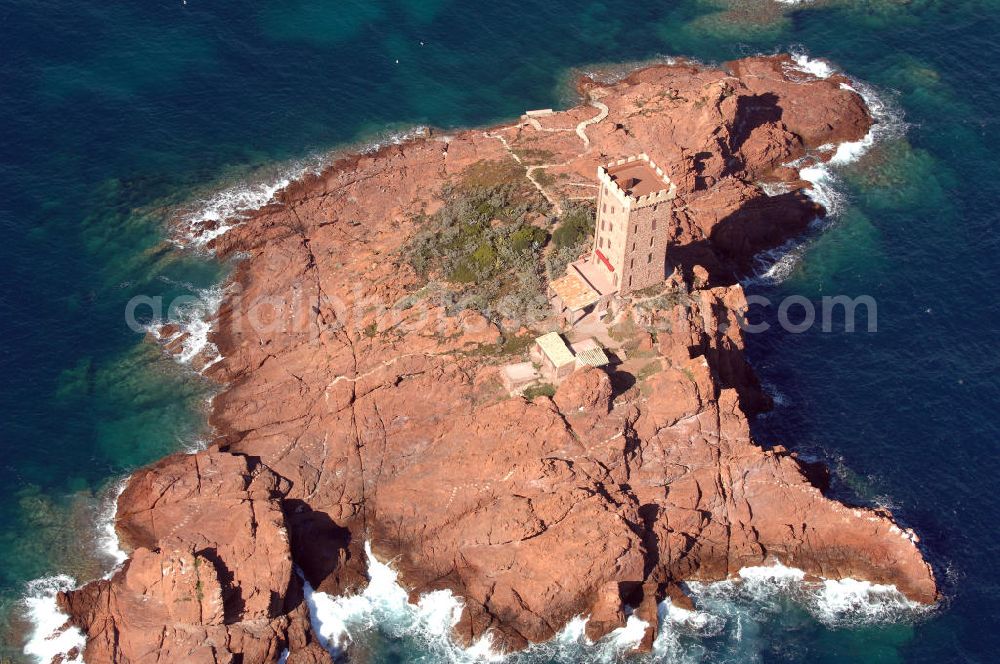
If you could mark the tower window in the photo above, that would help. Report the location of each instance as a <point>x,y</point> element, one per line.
<point>654,223</point>
<point>649,259</point>
<point>651,241</point>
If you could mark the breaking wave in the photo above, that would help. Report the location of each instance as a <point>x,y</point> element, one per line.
<point>50,636</point>
<point>778,397</point>
<point>384,608</point>
<point>385,138</point>
<point>384,605</point>
<point>610,73</point>
<point>107,537</point>
<point>835,603</point>
<point>208,218</point>
<point>48,639</point>
<point>725,608</point>
<point>189,321</point>
<point>820,168</point>
<point>221,212</point>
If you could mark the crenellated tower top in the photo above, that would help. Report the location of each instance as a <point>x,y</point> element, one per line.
<point>637,181</point>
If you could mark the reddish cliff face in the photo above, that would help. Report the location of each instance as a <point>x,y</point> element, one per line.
<point>347,417</point>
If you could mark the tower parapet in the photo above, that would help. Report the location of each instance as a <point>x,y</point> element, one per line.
<point>638,181</point>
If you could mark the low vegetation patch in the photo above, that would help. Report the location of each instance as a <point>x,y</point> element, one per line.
<point>482,245</point>
<point>541,390</point>
<point>624,329</point>
<point>571,238</point>
<point>510,345</point>
<point>649,369</point>
<point>543,177</point>
<point>534,156</point>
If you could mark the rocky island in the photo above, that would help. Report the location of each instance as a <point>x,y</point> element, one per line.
<point>363,345</point>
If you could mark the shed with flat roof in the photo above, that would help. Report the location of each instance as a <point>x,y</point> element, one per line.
<point>516,377</point>
<point>554,356</point>
<point>589,353</point>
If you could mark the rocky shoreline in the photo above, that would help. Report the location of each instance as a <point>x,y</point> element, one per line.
<point>361,405</point>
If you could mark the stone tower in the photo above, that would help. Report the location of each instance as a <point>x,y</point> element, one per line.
<point>633,213</point>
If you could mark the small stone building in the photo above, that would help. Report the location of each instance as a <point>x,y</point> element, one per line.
<point>554,356</point>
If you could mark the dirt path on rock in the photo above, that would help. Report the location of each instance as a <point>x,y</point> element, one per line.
<point>581,131</point>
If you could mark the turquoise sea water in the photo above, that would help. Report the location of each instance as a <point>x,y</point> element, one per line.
<point>114,116</point>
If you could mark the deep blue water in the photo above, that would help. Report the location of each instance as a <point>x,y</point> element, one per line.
<point>113,114</point>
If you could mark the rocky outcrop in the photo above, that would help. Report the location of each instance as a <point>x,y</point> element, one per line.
<point>210,574</point>
<point>358,408</point>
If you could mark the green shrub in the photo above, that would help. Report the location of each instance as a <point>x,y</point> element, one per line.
<point>571,238</point>
<point>541,390</point>
<point>528,238</point>
<point>577,226</point>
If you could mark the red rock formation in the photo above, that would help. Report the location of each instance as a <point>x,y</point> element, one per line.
<point>210,569</point>
<point>347,417</point>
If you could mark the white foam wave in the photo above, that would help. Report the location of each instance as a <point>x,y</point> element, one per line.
<point>340,621</point>
<point>50,638</point>
<point>732,605</point>
<point>612,73</point>
<point>222,211</point>
<point>851,600</point>
<point>675,623</point>
<point>213,216</point>
<point>823,189</point>
<point>812,66</point>
<point>777,574</point>
<point>774,188</point>
<point>192,317</point>
<point>427,625</point>
<point>832,602</point>
<point>624,638</point>
<point>196,445</point>
<point>775,265</point>
<point>778,397</point>
<point>393,138</point>
<point>107,537</point>
<point>699,622</point>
